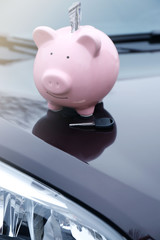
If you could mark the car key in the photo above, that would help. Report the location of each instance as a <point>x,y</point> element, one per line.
<point>101,123</point>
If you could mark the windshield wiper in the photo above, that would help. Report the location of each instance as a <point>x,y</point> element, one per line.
<point>152,37</point>
<point>20,49</point>
<point>125,50</point>
<point>137,43</point>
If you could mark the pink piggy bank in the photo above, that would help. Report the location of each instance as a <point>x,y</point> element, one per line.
<point>74,69</point>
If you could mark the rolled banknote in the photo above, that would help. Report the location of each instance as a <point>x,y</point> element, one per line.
<point>75,16</point>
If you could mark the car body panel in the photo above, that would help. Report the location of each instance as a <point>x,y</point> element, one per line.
<point>109,197</point>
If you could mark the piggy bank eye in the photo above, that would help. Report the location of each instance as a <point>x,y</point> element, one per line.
<point>51,53</point>
<point>67,57</point>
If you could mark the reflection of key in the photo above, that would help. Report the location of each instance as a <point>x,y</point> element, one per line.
<point>101,123</point>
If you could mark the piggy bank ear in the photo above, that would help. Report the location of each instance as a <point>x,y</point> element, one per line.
<point>91,42</point>
<point>43,34</point>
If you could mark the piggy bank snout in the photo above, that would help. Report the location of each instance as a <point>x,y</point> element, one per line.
<point>56,82</point>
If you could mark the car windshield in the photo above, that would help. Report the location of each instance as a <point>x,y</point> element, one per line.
<point>111,16</point>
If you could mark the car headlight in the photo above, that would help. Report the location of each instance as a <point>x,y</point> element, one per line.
<point>31,210</point>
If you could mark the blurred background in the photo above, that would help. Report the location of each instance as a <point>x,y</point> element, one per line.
<point>111,16</point>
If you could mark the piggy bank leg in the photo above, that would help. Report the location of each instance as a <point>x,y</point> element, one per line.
<point>54,107</point>
<point>87,112</point>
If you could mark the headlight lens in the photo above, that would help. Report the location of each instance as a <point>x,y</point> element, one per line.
<point>31,210</point>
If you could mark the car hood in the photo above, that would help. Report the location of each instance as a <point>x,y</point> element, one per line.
<point>134,156</point>
<point>128,153</point>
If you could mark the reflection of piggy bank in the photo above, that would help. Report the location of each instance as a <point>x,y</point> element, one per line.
<point>74,69</point>
<point>86,143</point>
